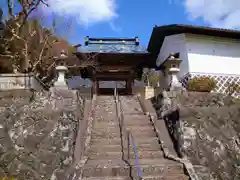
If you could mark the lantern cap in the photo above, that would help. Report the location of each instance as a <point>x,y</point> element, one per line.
<point>63,54</point>
<point>174,56</point>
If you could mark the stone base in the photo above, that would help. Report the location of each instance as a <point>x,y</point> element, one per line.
<point>61,85</point>
<point>176,86</point>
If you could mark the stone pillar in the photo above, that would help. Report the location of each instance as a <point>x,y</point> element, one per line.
<point>61,82</point>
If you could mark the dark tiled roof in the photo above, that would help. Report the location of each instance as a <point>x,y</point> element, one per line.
<point>112,45</point>
<point>159,33</point>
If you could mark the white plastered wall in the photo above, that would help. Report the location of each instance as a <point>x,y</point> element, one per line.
<point>174,43</point>
<point>213,55</point>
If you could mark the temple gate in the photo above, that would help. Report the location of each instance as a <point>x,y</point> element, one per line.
<point>113,59</point>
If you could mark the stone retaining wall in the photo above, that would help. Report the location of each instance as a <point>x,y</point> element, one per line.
<point>38,132</point>
<point>206,131</point>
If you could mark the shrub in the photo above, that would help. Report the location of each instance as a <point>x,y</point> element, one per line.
<point>232,88</point>
<point>202,84</point>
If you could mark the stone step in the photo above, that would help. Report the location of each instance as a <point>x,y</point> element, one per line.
<point>105,141</point>
<point>135,117</point>
<point>131,105</point>
<point>118,155</point>
<point>138,131</point>
<point>105,148</point>
<point>106,106</point>
<point>108,178</point>
<point>104,117</point>
<point>115,129</point>
<point>96,134</point>
<point>105,155</point>
<point>144,120</point>
<point>103,125</point>
<point>114,141</point>
<point>168,177</point>
<point>100,125</point>
<point>114,148</point>
<point>131,128</point>
<point>101,168</point>
<point>126,123</point>
<point>106,130</point>
<point>137,123</point>
<point>147,154</point>
<point>144,134</point>
<point>105,114</point>
<point>140,128</point>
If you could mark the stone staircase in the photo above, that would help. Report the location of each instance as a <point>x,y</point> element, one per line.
<point>105,161</point>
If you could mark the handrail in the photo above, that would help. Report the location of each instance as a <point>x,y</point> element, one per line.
<point>139,170</point>
<point>126,134</point>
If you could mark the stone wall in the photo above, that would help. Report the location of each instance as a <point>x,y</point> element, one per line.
<point>206,130</point>
<point>20,81</point>
<point>38,132</point>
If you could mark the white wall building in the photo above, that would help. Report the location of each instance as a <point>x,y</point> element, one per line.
<point>203,51</point>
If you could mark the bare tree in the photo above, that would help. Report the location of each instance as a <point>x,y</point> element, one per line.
<point>19,35</point>
<point>151,77</point>
<point>27,7</point>
<point>27,46</point>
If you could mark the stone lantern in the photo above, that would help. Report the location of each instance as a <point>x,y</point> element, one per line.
<point>61,70</point>
<point>172,65</point>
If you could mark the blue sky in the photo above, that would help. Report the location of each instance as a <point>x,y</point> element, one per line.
<point>130,18</point>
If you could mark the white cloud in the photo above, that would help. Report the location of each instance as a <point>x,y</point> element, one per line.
<point>217,13</point>
<point>86,12</point>
<point>115,28</point>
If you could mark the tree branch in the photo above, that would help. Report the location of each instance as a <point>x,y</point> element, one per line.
<point>6,56</point>
<point>17,36</point>
<point>30,10</point>
<point>10,9</point>
<point>41,53</point>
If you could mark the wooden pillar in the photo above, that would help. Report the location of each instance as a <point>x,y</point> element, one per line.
<point>94,86</point>
<point>97,86</point>
<point>130,81</point>
<point>94,83</point>
<point>129,85</point>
